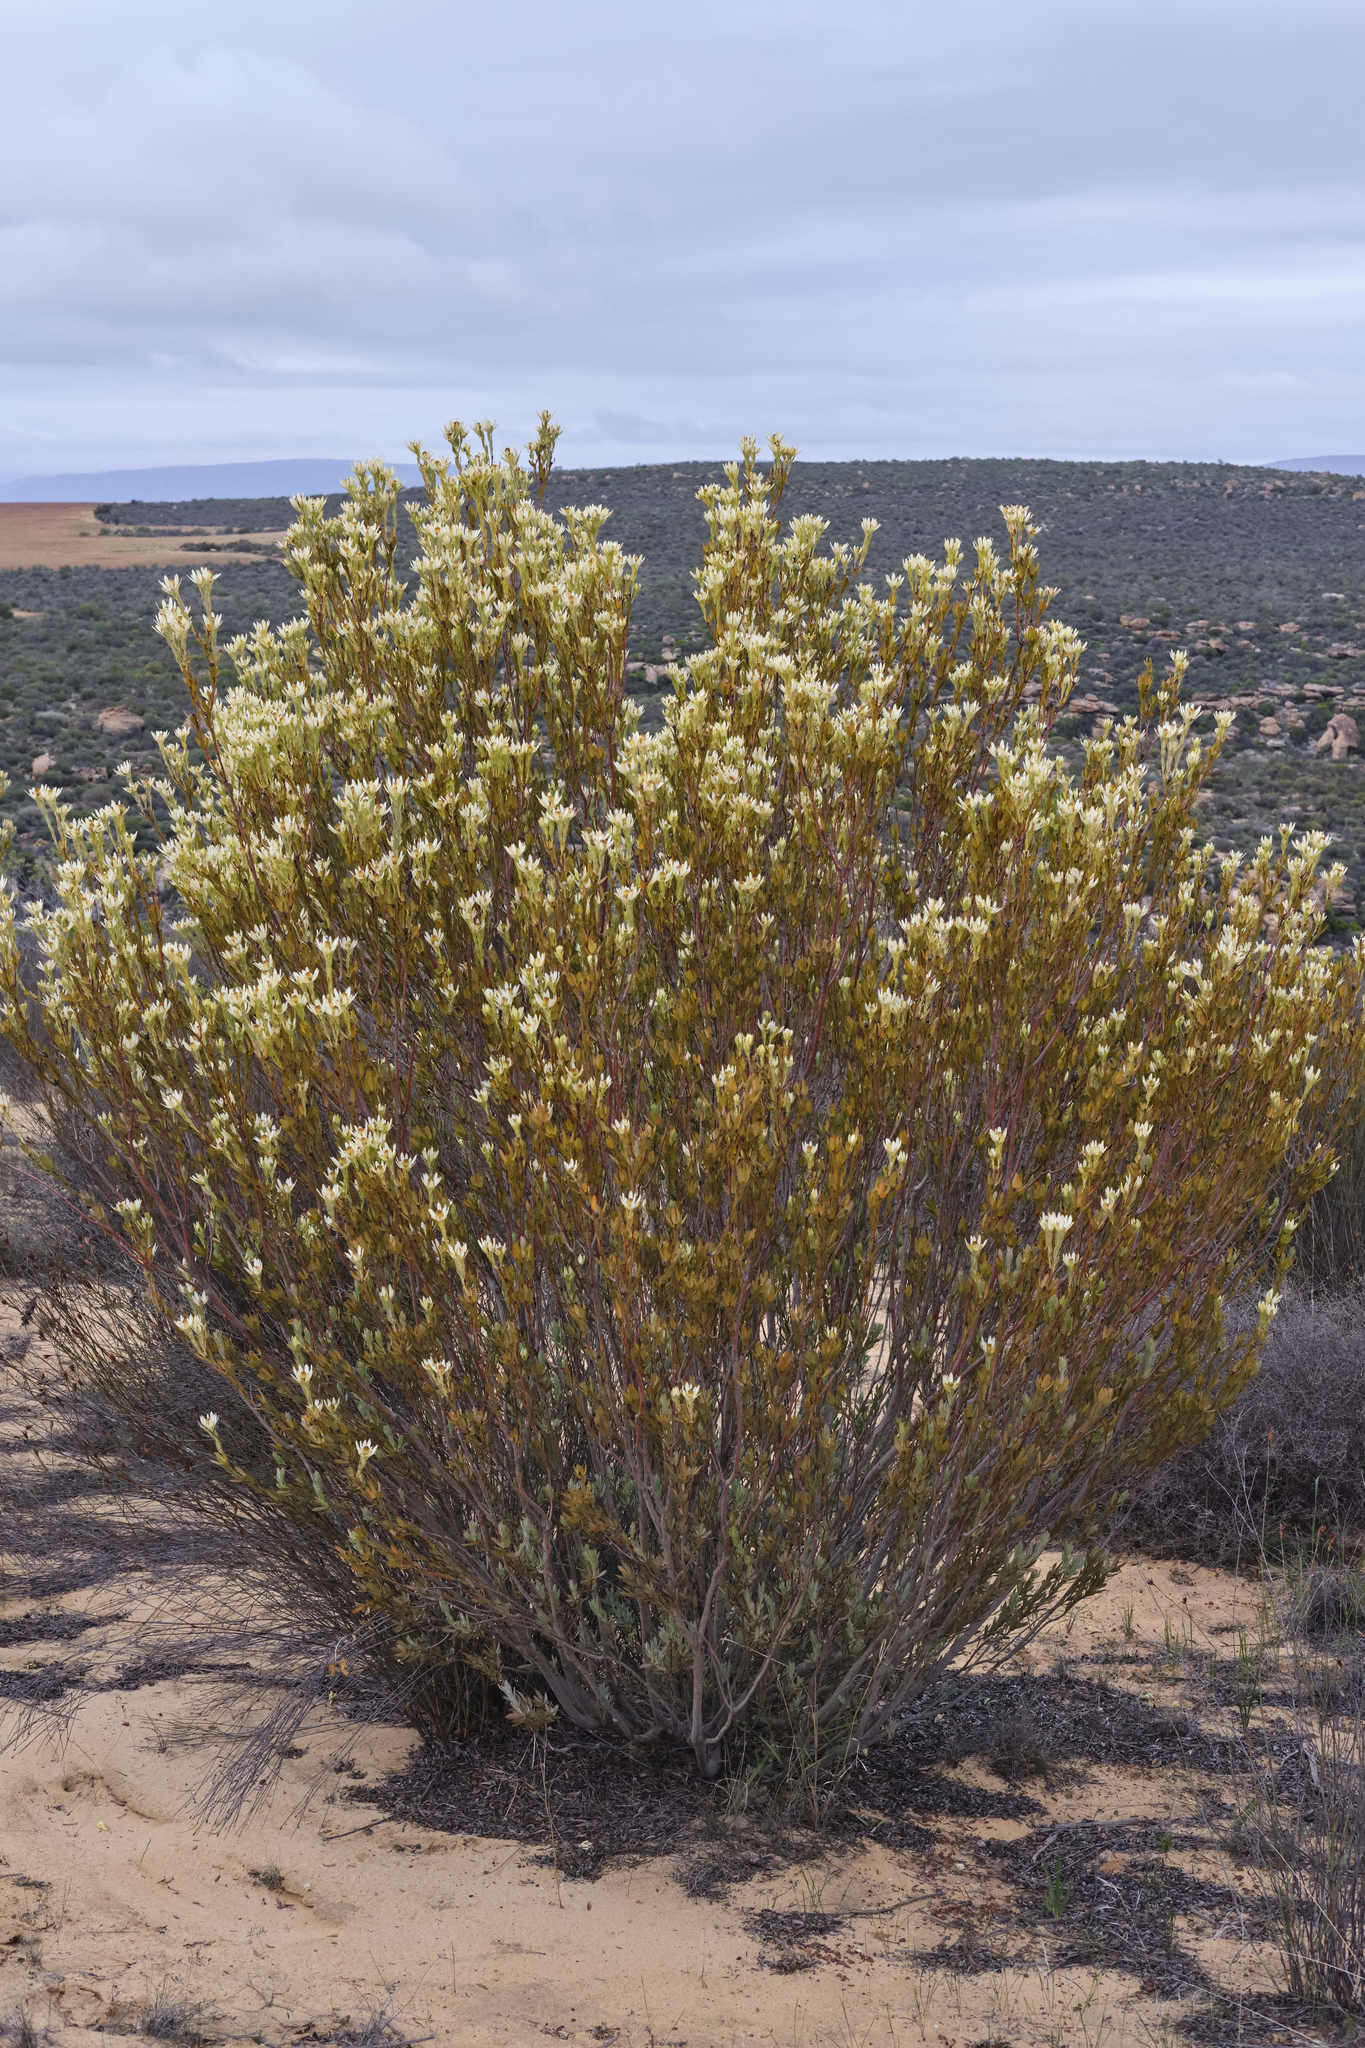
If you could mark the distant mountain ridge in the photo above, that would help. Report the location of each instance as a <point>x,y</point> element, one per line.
<point>320,476</point>
<point>317,476</point>
<point>1330,465</point>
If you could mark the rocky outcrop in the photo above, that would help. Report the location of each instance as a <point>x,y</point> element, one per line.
<point>117,720</point>
<point>1341,734</point>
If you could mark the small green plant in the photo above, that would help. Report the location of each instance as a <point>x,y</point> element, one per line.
<point>1246,1691</point>
<point>1127,1618</point>
<point>747,1787</point>
<point>1057,1893</point>
<point>679,1223</point>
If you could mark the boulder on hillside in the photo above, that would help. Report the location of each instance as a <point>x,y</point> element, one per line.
<point>1341,734</point>
<point>117,720</point>
<point>43,764</point>
<point>1342,898</point>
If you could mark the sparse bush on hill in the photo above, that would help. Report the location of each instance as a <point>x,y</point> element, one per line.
<point>1286,1461</point>
<point>700,1210</point>
<point>1330,1248</point>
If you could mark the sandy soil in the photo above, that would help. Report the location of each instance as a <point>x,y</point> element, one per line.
<point>320,1913</point>
<point>57,536</point>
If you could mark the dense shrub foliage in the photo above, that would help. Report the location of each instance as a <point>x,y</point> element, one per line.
<point>702,1209</point>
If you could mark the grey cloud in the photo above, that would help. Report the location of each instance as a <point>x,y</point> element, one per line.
<point>1053,228</point>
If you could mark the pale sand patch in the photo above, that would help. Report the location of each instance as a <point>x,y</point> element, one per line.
<point>69,536</point>
<point>465,1940</point>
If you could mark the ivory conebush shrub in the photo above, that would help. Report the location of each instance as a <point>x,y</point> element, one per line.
<point>702,1210</point>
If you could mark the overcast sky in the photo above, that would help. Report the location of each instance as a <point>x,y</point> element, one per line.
<point>283,227</point>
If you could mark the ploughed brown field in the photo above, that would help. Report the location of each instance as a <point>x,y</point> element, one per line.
<point>70,536</point>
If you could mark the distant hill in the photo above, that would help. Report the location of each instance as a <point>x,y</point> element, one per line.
<point>1330,465</point>
<point>316,475</point>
